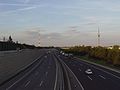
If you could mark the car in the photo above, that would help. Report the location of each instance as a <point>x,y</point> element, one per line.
<point>89,72</point>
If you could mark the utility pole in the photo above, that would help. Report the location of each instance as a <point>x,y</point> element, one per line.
<point>99,36</point>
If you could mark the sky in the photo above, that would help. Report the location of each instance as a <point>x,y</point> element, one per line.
<point>60,22</point>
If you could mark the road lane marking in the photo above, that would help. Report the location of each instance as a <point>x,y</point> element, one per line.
<point>45,56</point>
<point>89,77</point>
<point>25,74</point>
<point>41,83</point>
<point>79,69</point>
<point>102,76</point>
<point>75,86</point>
<point>27,83</point>
<point>46,73</point>
<point>87,63</point>
<point>74,76</point>
<point>107,72</point>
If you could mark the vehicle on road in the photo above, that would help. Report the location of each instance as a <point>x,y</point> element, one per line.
<point>89,72</point>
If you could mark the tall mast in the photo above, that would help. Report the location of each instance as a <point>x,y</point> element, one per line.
<point>98,36</point>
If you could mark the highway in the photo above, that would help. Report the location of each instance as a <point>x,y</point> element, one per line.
<point>49,72</point>
<point>54,71</point>
<point>102,78</point>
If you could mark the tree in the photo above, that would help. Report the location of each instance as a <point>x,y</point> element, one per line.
<point>10,39</point>
<point>116,47</point>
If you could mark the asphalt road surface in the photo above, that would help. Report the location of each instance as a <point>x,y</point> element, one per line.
<point>53,71</point>
<point>102,79</point>
<point>49,72</point>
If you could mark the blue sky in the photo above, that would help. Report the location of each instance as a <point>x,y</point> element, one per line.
<point>60,22</point>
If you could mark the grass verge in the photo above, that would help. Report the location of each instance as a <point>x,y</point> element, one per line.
<point>100,62</point>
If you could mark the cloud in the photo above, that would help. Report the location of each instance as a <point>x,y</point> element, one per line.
<point>27,1</point>
<point>23,9</point>
<point>66,38</point>
<point>27,8</point>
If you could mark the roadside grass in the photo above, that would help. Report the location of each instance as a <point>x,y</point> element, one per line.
<point>100,62</point>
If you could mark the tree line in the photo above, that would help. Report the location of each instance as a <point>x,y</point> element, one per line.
<point>11,45</point>
<point>111,56</point>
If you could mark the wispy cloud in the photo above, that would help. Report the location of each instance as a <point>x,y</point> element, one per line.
<point>23,9</point>
<point>26,1</point>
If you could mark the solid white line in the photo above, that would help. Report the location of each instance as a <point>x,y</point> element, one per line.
<point>73,75</point>
<point>27,83</point>
<point>106,72</point>
<point>89,77</point>
<point>56,77</point>
<point>87,63</point>
<point>102,76</point>
<point>23,76</point>
<point>41,83</point>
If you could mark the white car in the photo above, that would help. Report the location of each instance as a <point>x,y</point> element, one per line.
<point>89,72</point>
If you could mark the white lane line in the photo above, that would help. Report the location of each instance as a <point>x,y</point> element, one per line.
<point>24,75</point>
<point>75,86</point>
<point>45,56</point>
<point>102,76</point>
<point>89,77</point>
<point>27,83</point>
<point>107,72</point>
<point>41,83</point>
<point>46,73</point>
<point>79,69</point>
<point>87,63</point>
<point>74,75</point>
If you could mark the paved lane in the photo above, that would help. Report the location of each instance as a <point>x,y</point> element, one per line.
<point>100,80</point>
<point>41,78</point>
<point>48,72</point>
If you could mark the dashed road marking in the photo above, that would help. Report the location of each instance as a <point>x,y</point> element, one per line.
<point>102,76</point>
<point>41,83</point>
<point>46,73</point>
<point>89,77</point>
<point>27,83</point>
<point>45,56</point>
<point>79,69</point>
<point>75,86</point>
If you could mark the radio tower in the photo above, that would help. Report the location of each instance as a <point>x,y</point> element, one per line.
<point>98,36</point>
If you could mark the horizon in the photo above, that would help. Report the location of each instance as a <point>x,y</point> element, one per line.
<point>60,23</point>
